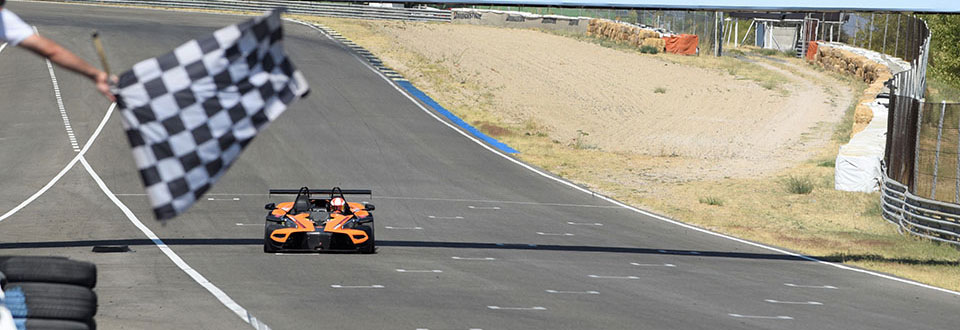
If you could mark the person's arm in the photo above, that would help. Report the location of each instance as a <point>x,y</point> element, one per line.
<point>61,56</point>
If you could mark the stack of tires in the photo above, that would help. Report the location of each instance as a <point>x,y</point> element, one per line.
<point>52,293</point>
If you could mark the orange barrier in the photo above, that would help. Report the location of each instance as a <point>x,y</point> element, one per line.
<point>812,51</point>
<point>685,44</point>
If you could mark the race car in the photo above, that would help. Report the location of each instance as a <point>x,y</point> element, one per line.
<point>329,223</point>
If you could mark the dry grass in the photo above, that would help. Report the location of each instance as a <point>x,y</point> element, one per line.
<point>742,70</point>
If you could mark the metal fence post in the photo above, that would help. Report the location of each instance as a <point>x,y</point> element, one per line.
<point>916,141</point>
<point>886,19</point>
<point>896,42</point>
<point>956,191</point>
<point>936,159</point>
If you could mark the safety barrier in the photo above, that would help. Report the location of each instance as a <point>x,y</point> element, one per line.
<point>919,216</point>
<point>293,7</point>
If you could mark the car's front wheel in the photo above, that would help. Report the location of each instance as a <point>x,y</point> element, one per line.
<point>370,246</point>
<point>268,245</point>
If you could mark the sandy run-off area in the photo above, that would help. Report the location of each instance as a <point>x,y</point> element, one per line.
<point>712,123</point>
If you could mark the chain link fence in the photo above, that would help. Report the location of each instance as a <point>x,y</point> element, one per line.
<point>920,191</point>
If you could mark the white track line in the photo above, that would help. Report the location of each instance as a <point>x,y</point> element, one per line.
<point>375,286</point>
<point>772,301</point>
<point>63,110</point>
<point>781,317</point>
<point>652,265</point>
<point>614,277</point>
<point>553,234</point>
<point>810,286</point>
<point>573,292</point>
<point>534,308</point>
<point>65,169</point>
<point>419,271</point>
<point>403,228</point>
<point>195,275</point>
<point>584,223</point>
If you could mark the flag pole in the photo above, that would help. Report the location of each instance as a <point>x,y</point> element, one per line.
<point>103,56</point>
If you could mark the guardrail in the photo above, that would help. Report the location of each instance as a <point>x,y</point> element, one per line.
<point>919,216</point>
<point>293,7</point>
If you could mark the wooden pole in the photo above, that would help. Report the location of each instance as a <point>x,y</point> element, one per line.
<point>103,56</point>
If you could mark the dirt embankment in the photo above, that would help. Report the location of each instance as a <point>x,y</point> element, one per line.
<point>717,124</point>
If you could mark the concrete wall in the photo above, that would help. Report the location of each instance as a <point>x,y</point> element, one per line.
<point>520,20</point>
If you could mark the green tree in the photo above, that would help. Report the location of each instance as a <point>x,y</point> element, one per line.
<point>945,47</point>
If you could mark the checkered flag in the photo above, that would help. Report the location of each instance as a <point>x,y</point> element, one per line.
<point>189,113</point>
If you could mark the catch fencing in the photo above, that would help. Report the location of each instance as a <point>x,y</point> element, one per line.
<point>293,7</point>
<point>920,191</point>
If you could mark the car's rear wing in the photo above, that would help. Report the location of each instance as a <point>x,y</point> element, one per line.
<point>322,191</point>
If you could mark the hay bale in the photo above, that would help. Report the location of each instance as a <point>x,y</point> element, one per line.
<point>657,43</point>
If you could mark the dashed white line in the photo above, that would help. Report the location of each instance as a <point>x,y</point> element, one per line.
<point>574,292</point>
<point>652,265</point>
<point>223,199</point>
<point>403,228</point>
<point>810,286</point>
<point>463,258</point>
<point>4,45</point>
<point>375,286</point>
<point>419,271</point>
<point>439,217</point>
<point>615,277</point>
<point>483,207</point>
<point>780,317</point>
<point>534,308</point>
<point>249,224</point>
<point>63,110</point>
<point>553,234</point>
<point>772,301</point>
<point>584,223</point>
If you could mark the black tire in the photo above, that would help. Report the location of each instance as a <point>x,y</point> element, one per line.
<point>50,270</point>
<point>48,324</point>
<point>268,229</point>
<point>57,301</point>
<point>370,246</point>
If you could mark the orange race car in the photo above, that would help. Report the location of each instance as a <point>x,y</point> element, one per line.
<point>319,224</point>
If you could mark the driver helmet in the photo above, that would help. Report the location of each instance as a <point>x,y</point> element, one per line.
<point>337,204</point>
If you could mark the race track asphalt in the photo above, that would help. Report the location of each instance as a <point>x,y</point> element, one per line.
<point>469,228</point>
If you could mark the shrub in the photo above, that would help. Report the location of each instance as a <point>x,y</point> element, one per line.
<point>799,184</point>
<point>649,49</point>
<point>659,90</point>
<point>710,200</point>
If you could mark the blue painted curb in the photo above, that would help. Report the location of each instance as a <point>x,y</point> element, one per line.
<point>456,120</point>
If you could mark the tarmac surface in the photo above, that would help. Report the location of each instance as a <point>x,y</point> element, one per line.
<point>468,239</point>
